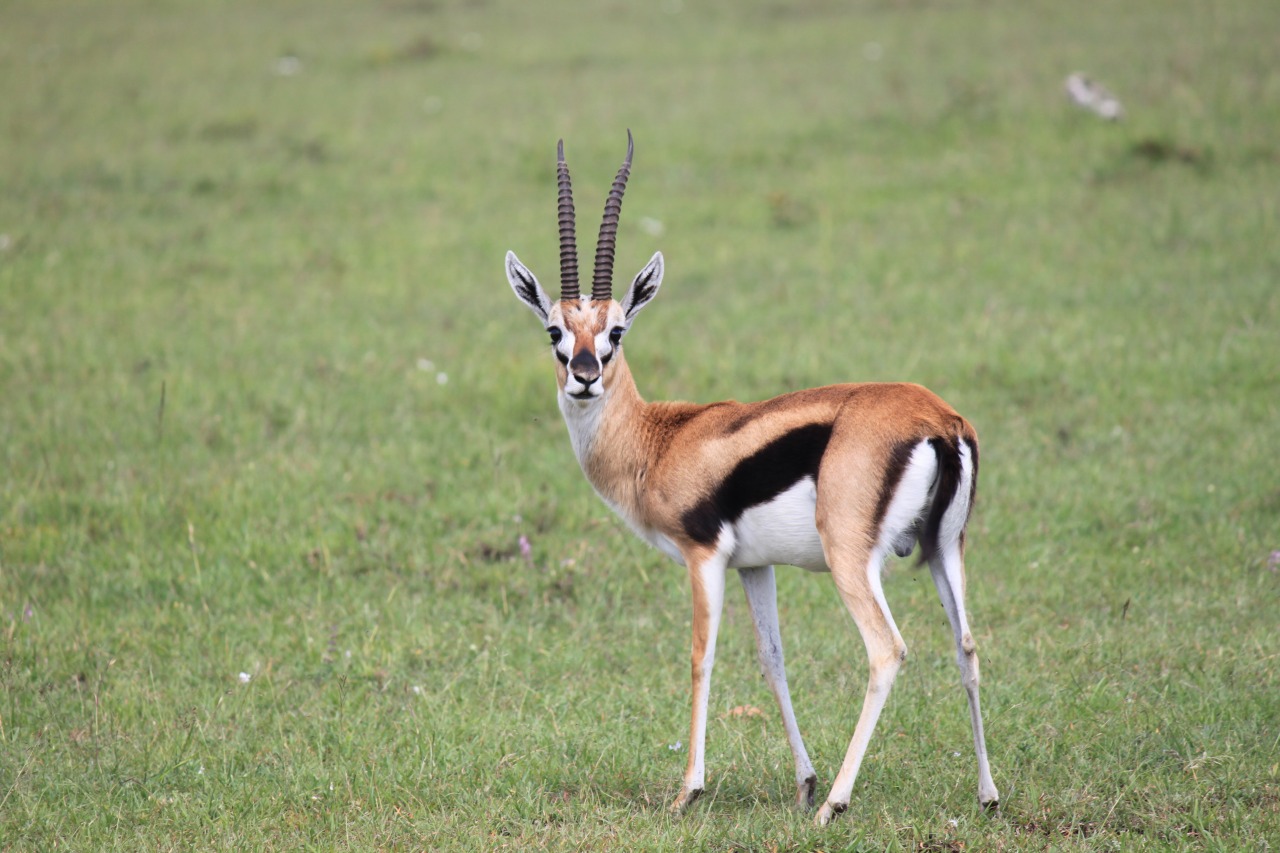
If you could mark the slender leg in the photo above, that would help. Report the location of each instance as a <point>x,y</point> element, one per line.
<point>857,577</point>
<point>947,568</point>
<point>762,600</point>
<point>706,576</point>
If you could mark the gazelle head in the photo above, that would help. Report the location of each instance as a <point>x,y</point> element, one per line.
<point>586,332</point>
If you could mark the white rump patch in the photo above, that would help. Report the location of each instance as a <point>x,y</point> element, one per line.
<point>910,498</point>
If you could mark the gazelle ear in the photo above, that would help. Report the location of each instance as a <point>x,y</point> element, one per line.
<point>527,288</point>
<point>644,287</point>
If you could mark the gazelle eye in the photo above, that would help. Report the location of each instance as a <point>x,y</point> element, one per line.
<point>615,335</point>
<point>555,334</point>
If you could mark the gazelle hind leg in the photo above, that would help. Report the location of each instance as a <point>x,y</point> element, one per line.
<point>947,568</point>
<point>762,600</point>
<point>706,577</point>
<point>857,577</point>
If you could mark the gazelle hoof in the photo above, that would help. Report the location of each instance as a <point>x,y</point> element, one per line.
<point>804,793</point>
<point>681,803</point>
<point>988,796</point>
<point>828,812</point>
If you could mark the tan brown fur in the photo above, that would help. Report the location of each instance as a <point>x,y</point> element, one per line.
<point>653,459</point>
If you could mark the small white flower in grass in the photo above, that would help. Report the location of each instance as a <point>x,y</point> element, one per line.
<point>442,378</point>
<point>955,755</point>
<point>426,365</point>
<point>245,677</point>
<point>675,747</point>
<point>953,822</point>
<point>287,66</point>
<point>1093,96</point>
<point>417,691</point>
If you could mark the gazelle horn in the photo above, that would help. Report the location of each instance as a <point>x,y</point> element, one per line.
<point>602,280</point>
<point>568,242</point>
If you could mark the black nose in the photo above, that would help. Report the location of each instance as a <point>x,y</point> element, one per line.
<point>585,367</point>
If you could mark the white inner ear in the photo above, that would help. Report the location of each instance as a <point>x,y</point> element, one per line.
<point>526,287</point>
<point>644,287</point>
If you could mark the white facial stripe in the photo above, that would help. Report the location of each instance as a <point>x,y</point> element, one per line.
<point>603,347</point>
<point>565,347</point>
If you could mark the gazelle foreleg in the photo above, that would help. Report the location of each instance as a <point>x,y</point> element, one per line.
<point>856,572</point>
<point>762,600</point>
<point>706,578</point>
<point>947,567</point>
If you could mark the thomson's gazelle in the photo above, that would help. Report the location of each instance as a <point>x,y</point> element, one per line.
<point>828,479</point>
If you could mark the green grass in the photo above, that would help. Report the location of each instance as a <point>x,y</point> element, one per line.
<point>226,294</point>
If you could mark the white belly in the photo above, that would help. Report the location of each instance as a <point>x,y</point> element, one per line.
<point>781,531</point>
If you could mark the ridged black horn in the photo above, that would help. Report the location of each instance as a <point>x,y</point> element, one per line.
<point>568,241</point>
<point>602,280</point>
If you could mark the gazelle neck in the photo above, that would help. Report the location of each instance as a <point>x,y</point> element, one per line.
<point>605,432</point>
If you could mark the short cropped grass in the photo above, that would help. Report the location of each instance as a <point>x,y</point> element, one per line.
<point>272,425</point>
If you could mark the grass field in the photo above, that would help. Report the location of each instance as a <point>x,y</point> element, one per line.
<point>272,424</point>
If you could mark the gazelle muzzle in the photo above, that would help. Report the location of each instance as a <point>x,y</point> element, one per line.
<point>585,368</point>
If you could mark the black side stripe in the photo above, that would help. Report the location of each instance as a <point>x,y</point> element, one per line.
<point>762,476</point>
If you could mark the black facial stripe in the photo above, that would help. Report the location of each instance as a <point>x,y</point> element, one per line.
<point>762,476</point>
